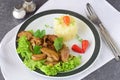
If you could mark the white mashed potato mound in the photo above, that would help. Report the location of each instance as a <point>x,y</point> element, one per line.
<point>68,32</point>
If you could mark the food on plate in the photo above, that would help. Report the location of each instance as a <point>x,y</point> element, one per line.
<point>64,53</point>
<point>25,33</point>
<point>50,53</point>
<point>76,48</point>
<point>37,57</point>
<point>85,44</point>
<point>46,52</point>
<point>65,26</point>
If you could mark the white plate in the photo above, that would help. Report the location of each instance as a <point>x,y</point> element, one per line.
<point>86,30</point>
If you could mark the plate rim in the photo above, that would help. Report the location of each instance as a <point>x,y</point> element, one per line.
<point>82,18</point>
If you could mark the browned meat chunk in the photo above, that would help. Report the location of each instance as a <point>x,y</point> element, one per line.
<point>37,57</point>
<point>36,41</point>
<point>25,33</point>
<point>44,41</point>
<point>51,47</point>
<point>48,41</point>
<point>64,53</point>
<point>52,37</point>
<point>50,53</point>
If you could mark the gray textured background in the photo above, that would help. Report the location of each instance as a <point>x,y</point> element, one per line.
<point>110,71</point>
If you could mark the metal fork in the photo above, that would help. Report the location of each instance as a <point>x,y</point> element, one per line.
<point>106,36</point>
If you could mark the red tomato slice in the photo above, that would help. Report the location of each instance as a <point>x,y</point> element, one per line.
<point>76,48</point>
<point>66,20</point>
<point>85,44</point>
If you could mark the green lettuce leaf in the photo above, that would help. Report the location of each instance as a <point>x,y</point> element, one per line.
<point>61,66</point>
<point>23,47</point>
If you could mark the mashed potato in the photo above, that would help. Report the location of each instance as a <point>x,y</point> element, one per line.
<point>68,32</point>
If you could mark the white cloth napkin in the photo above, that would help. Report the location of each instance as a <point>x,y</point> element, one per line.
<point>12,67</point>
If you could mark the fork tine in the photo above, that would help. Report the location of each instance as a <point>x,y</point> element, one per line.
<point>92,15</point>
<point>91,10</point>
<point>86,12</point>
<point>88,9</point>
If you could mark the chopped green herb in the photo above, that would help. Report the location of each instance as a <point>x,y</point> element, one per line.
<point>31,31</point>
<point>42,34</point>
<point>79,38</point>
<point>48,26</point>
<point>39,33</point>
<point>36,49</point>
<point>57,19</point>
<point>72,22</point>
<point>58,43</point>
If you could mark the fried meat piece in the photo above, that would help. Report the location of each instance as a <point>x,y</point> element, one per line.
<point>36,41</point>
<point>64,52</point>
<point>25,33</point>
<point>37,57</point>
<point>50,53</point>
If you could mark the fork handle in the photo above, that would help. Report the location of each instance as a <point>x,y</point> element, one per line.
<point>110,42</point>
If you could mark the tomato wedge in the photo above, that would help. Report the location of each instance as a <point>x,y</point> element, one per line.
<point>66,20</point>
<point>85,44</point>
<point>76,48</point>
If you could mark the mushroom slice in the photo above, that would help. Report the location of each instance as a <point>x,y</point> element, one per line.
<point>25,33</point>
<point>64,53</point>
<point>44,41</point>
<point>52,37</point>
<point>37,57</point>
<point>50,53</point>
<point>36,41</point>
